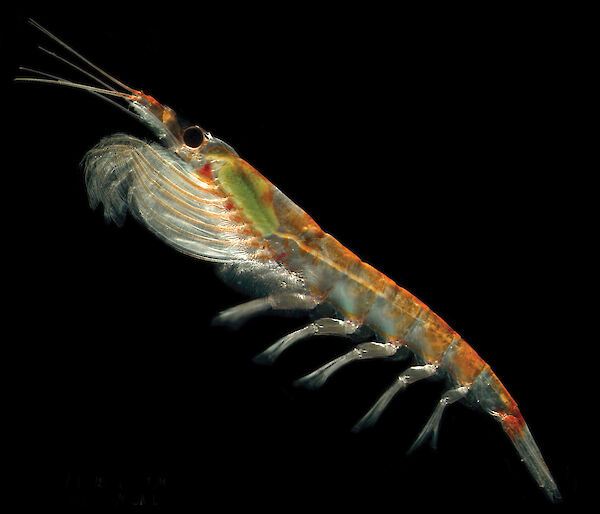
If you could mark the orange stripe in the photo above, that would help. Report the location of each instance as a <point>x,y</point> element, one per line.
<point>339,265</point>
<point>437,333</point>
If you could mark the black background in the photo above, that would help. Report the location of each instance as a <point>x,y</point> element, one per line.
<point>438,147</point>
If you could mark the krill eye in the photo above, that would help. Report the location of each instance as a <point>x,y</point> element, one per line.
<point>193,137</point>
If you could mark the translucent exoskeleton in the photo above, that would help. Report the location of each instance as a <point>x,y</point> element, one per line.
<point>195,193</point>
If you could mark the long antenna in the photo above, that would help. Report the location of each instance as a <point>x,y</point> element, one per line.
<point>78,68</point>
<point>77,54</point>
<point>60,81</point>
<point>75,85</point>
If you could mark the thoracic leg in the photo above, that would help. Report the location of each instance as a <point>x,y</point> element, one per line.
<point>433,425</point>
<point>410,376</point>
<point>237,315</point>
<point>369,350</point>
<point>320,327</point>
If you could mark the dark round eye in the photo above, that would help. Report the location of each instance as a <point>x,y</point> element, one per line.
<point>193,137</point>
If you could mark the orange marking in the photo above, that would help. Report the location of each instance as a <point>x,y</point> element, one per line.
<point>267,197</point>
<point>514,424</point>
<point>464,363</point>
<point>206,170</point>
<point>146,97</point>
<point>339,262</point>
<point>509,405</point>
<point>437,338</point>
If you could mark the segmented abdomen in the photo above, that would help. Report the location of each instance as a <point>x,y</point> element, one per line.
<point>363,294</point>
